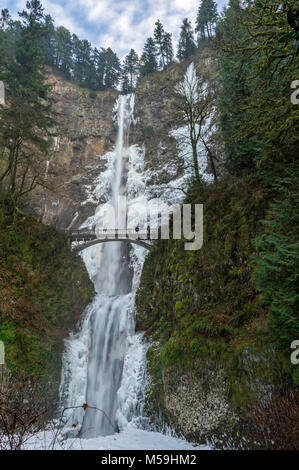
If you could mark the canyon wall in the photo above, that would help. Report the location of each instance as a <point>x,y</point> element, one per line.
<point>86,130</point>
<point>214,373</point>
<point>83,133</point>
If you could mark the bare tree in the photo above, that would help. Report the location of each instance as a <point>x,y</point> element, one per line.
<point>196,108</point>
<point>29,416</point>
<point>26,405</point>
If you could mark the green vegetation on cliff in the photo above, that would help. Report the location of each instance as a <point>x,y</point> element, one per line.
<point>203,302</point>
<point>229,310</point>
<point>208,302</point>
<point>44,290</point>
<point>276,270</point>
<point>258,120</point>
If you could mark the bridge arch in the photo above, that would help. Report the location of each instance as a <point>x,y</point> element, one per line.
<point>83,246</point>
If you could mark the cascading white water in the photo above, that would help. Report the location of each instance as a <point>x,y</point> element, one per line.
<point>104,361</point>
<point>94,357</point>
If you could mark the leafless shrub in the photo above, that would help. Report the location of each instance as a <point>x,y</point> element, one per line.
<point>26,405</point>
<point>27,409</point>
<point>278,422</point>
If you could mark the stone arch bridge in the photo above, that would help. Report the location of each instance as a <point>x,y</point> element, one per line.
<point>82,239</point>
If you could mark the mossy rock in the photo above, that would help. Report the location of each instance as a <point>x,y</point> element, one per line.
<point>44,290</point>
<point>203,305</point>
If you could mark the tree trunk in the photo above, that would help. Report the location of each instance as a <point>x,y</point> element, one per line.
<point>193,141</point>
<point>213,166</point>
<point>211,159</point>
<point>195,162</point>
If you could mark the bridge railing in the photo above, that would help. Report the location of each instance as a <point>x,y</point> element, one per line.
<point>122,234</point>
<point>108,233</point>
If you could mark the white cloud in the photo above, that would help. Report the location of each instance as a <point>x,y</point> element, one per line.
<point>120,24</point>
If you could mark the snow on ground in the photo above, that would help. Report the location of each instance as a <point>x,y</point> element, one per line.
<point>130,438</point>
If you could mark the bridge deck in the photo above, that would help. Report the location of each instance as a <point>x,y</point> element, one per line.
<point>85,235</point>
<point>90,238</point>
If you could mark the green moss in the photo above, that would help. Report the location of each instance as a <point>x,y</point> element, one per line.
<point>296,376</point>
<point>44,290</point>
<point>154,402</point>
<point>148,131</point>
<point>179,307</point>
<point>203,304</point>
<point>7,332</point>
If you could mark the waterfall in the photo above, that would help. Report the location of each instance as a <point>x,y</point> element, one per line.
<point>103,361</point>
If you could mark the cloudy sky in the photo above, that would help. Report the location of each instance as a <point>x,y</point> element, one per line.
<point>120,24</point>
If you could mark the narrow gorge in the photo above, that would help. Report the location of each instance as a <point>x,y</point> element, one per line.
<point>104,364</point>
<point>123,325</point>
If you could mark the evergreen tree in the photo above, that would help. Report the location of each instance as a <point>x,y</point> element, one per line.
<point>63,50</point>
<point>163,41</point>
<point>113,70</point>
<point>167,48</point>
<point>49,40</point>
<point>5,18</point>
<point>100,68</point>
<point>125,86</point>
<point>6,37</point>
<point>159,34</point>
<point>148,60</point>
<point>276,271</point>
<point>130,70</point>
<point>234,91</point>
<point>200,27</point>
<point>206,18</point>
<point>108,69</point>
<point>186,45</point>
<point>258,120</point>
<point>77,74</point>
<point>93,78</point>
<point>83,65</point>
<point>25,123</point>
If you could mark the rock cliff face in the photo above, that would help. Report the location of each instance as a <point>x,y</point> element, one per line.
<point>155,113</point>
<point>85,130</point>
